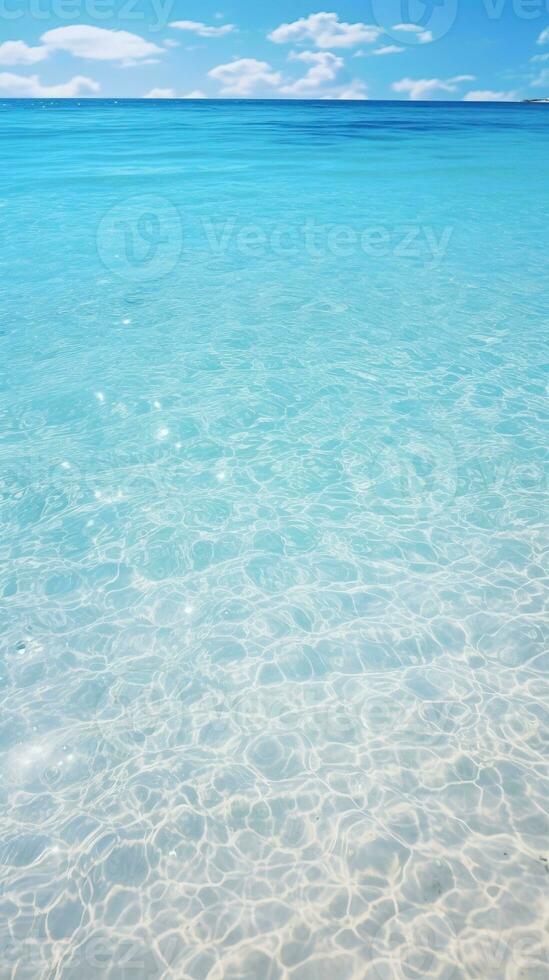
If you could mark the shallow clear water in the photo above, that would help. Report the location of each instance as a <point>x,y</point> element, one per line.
<point>273,488</point>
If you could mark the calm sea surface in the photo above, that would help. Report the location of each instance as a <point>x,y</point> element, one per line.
<point>273,510</point>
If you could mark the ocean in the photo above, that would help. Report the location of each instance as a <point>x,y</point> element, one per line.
<point>273,537</point>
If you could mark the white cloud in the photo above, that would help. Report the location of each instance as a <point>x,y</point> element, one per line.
<point>544,37</point>
<point>542,80</point>
<point>19,53</point>
<point>423,36</point>
<point>83,41</point>
<point>31,87</point>
<point>243,76</point>
<point>99,44</point>
<point>541,57</point>
<point>420,88</point>
<point>170,93</point>
<point>388,49</point>
<point>355,90</point>
<point>486,95</point>
<point>325,31</point>
<point>324,68</point>
<point>161,93</point>
<point>203,30</point>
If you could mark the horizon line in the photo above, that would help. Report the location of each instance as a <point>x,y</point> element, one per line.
<point>145,98</point>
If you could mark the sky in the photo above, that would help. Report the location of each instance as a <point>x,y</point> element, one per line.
<point>472,50</point>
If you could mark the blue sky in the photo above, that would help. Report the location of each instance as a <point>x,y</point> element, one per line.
<point>378,49</point>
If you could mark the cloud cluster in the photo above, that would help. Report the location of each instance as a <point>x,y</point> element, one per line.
<point>19,53</point>
<point>323,73</point>
<point>388,49</point>
<point>244,76</point>
<point>30,87</point>
<point>419,88</point>
<point>325,30</point>
<point>487,95</point>
<point>324,68</point>
<point>356,90</point>
<point>99,44</point>
<point>541,80</point>
<point>422,36</point>
<point>170,93</point>
<point>203,30</point>
<point>83,41</point>
<point>161,93</point>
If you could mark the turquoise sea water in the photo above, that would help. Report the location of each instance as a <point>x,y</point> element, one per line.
<point>273,500</point>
